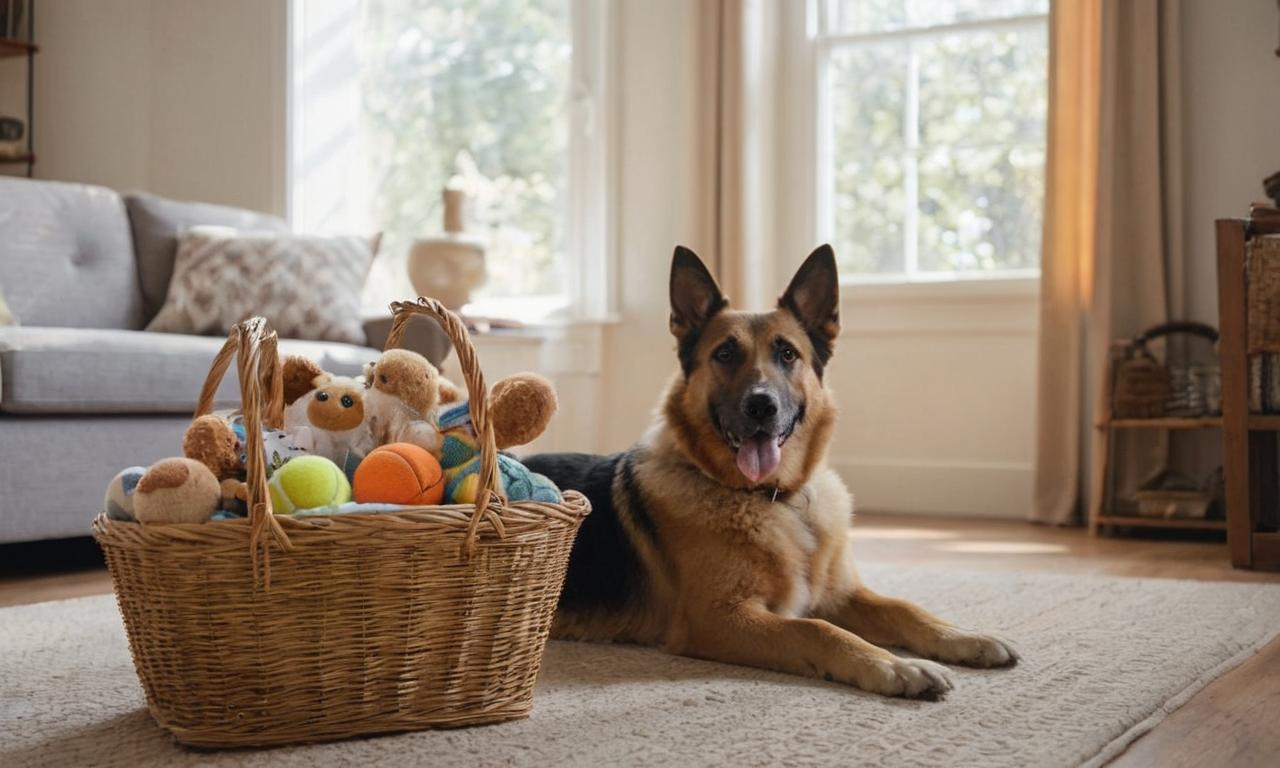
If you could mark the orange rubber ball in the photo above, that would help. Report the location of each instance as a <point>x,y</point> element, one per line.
<point>399,473</point>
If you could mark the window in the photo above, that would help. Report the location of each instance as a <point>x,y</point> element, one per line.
<point>392,100</point>
<point>931,135</point>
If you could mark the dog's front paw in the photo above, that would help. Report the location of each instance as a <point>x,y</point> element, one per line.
<point>910,678</point>
<point>975,649</point>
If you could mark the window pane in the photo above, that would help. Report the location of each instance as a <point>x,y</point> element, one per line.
<point>850,16</point>
<point>867,85</point>
<point>984,87</point>
<point>937,150</point>
<point>980,208</point>
<point>869,204</point>
<point>477,90</point>
<point>870,16</point>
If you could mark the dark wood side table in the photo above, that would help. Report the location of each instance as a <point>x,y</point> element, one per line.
<point>1249,451</point>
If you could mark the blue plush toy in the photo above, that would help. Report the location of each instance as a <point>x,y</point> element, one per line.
<point>460,459</point>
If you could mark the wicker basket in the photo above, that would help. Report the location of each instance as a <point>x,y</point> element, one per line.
<point>1144,388</point>
<point>275,629</point>
<point>1262,270</point>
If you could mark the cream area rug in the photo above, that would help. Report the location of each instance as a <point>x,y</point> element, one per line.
<point>1104,660</point>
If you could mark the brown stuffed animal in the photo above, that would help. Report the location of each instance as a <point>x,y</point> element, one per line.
<point>404,391</point>
<point>521,407</point>
<point>176,491</point>
<point>324,414</point>
<point>211,441</point>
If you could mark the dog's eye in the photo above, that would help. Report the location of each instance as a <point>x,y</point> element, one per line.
<point>347,402</point>
<point>788,354</point>
<point>322,396</point>
<point>724,353</point>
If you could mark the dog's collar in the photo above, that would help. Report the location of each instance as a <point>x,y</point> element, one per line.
<point>774,494</point>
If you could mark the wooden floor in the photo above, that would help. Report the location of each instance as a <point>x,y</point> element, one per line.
<point>1231,722</point>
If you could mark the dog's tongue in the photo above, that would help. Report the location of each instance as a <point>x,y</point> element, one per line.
<point>758,456</point>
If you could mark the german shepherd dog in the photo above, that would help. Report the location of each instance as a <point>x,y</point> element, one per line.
<point>722,534</point>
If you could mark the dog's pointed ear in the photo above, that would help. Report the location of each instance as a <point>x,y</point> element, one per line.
<point>695,297</point>
<point>814,299</point>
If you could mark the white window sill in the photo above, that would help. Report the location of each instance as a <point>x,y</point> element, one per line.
<point>1019,287</point>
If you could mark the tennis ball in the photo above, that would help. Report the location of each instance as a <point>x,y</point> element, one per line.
<point>307,482</point>
<point>399,473</point>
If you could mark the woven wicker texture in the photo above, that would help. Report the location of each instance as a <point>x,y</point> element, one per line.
<point>1142,387</point>
<point>1262,266</point>
<point>274,629</point>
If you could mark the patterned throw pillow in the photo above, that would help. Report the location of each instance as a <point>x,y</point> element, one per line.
<point>306,287</point>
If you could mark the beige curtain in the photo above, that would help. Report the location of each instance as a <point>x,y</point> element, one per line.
<point>736,52</point>
<point>1112,260</point>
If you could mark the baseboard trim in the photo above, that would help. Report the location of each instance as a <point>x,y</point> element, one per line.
<point>938,487</point>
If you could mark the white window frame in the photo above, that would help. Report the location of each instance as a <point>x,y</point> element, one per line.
<point>590,265</point>
<point>808,44</point>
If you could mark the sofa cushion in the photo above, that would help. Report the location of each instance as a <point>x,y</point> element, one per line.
<point>56,468</point>
<point>67,371</point>
<point>66,257</point>
<point>158,223</point>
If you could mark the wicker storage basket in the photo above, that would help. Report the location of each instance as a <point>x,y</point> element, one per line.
<point>1262,270</point>
<point>275,629</point>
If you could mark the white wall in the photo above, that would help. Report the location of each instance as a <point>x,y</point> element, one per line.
<point>1231,126</point>
<point>92,91</point>
<point>937,391</point>
<point>657,208</point>
<point>217,108</point>
<point>178,97</point>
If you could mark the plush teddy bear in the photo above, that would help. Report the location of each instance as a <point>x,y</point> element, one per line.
<point>211,441</point>
<point>520,407</point>
<point>219,444</point>
<point>403,392</point>
<point>325,414</point>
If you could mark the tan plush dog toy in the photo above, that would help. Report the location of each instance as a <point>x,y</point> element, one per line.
<point>324,414</point>
<point>404,391</point>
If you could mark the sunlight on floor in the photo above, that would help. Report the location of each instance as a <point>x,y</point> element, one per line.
<point>900,534</point>
<point>1003,548</point>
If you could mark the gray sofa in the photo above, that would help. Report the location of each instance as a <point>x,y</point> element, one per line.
<point>84,391</point>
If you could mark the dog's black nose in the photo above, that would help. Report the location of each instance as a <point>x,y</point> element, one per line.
<point>760,406</point>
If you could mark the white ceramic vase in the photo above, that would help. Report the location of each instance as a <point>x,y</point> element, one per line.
<point>449,267</point>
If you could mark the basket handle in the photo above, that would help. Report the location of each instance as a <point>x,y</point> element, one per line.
<point>1177,326</point>
<point>271,376</point>
<point>478,402</point>
<point>254,344</point>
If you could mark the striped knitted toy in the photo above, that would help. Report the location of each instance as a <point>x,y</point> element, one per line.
<point>460,458</point>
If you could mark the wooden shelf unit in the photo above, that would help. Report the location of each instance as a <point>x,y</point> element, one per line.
<point>15,48</point>
<point>1101,491</point>
<point>1264,422</point>
<point>1249,440</point>
<point>1165,422</point>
